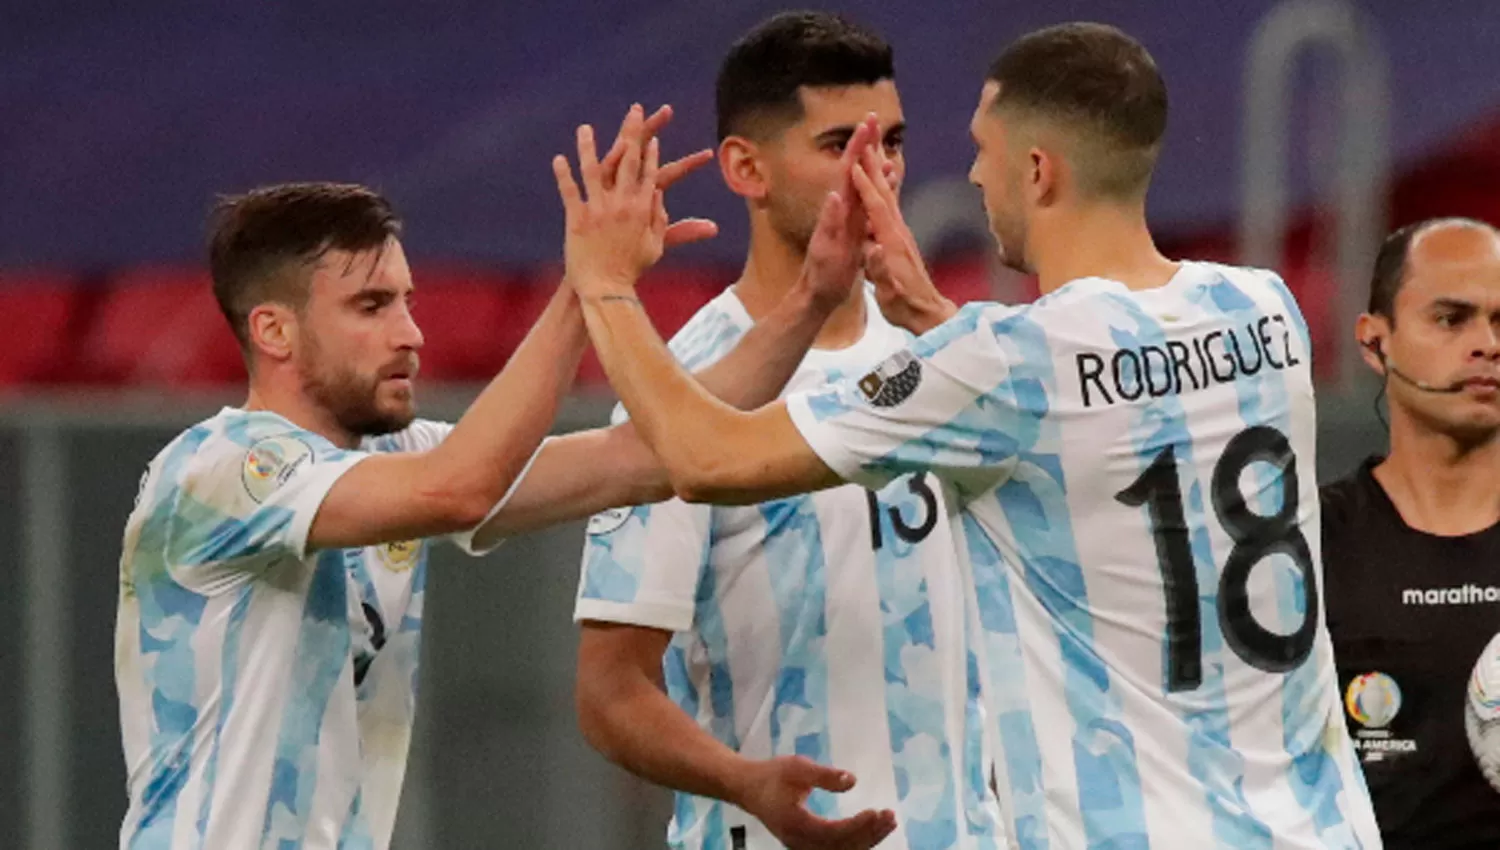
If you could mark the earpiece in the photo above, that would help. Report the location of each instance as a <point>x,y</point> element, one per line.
<point>1376,347</point>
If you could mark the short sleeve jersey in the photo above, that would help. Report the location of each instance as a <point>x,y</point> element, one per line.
<point>1135,476</point>
<point>831,625</point>
<point>266,690</point>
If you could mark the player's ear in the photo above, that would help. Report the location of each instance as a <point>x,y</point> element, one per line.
<point>744,171</point>
<point>1041,176</point>
<point>273,327</point>
<point>1371,331</point>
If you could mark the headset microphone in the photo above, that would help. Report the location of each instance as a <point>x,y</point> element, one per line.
<point>1375,346</point>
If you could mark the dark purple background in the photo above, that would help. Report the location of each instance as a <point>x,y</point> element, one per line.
<point>121,120</point>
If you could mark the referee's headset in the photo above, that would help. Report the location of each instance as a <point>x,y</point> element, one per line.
<point>1374,346</point>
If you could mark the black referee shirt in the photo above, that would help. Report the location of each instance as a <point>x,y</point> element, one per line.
<point>1409,614</point>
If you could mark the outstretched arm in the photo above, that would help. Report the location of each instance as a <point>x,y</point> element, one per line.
<point>454,486</point>
<point>710,451</point>
<point>580,474</point>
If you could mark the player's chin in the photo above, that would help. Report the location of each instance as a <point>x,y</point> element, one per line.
<point>397,402</point>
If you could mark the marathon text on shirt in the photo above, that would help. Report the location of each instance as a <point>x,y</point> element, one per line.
<point>1467,594</point>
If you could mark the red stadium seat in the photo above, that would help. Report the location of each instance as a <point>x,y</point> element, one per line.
<point>43,309</point>
<point>971,277</point>
<point>468,320</point>
<point>963,280</point>
<point>1461,179</point>
<point>161,327</point>
<point>1316,292</point>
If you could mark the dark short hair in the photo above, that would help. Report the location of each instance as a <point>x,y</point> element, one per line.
<point>263,242</point>
<point>758,83</point>
<point>1391,265</point>
<point>1096,79</point>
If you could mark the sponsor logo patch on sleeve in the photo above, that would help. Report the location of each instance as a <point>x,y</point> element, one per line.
<point>272,462</point>
<point>893,381</point>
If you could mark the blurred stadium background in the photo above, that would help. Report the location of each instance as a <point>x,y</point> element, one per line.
<point>1300,132</point>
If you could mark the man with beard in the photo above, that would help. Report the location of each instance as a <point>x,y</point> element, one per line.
<point>273,569</point>
<point>1131,458</point>
<point>1411,541</point>
<point>816,689</point>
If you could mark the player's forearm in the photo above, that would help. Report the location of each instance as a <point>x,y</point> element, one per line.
<point>629,721</point>
<point>757,369</point>
<point>578,475</point>
<point>581,474</point>
<point>490,445</point>
<point>695,435</point>
<point>921,317</point>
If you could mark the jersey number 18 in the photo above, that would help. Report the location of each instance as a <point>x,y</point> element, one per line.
<point>1256,537</point>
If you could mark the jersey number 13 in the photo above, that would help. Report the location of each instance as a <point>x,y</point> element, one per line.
<point>913,534</point>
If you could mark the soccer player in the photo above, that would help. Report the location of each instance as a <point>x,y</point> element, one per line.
<point>813,640</point>
<point>273,569</point>
<point>1132,455</point>
<point>1411,541</point>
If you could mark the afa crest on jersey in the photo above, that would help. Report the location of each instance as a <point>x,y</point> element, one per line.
<point>400,556</point>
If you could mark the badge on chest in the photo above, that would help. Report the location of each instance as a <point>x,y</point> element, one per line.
<point>381,596</point>
<point>1373,701</point>
<point>398,557</point>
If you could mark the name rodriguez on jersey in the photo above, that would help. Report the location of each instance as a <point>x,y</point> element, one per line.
<point>1216,357</point>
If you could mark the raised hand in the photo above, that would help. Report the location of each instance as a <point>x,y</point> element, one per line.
<point>776,791</point>
<point>903,288</point>
<point>619,230</point>
<point>688,229</point>
<point>834,252</point>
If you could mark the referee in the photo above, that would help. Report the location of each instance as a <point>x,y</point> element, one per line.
<point>1411,541</point>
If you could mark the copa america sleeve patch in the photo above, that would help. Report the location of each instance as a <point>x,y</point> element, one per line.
<point>271,462</point>
<point>893,381</point>
<point>607,520</point>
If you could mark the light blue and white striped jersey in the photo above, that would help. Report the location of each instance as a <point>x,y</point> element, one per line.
<point>266,691</point>
<point>832,625</point>
<point>1136,479</point>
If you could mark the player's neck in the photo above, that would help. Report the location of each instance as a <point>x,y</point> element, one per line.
<point>1099,240</point>
<point>1438,484</point>
<point>275,396</point>
<point>772,269</point>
